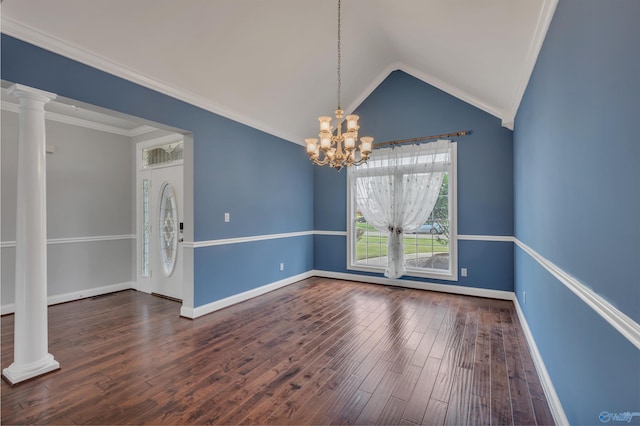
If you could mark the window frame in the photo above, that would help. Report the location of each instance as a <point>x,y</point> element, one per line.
<point>450,275</point>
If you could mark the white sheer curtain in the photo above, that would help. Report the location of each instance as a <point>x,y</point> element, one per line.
<point>396,191</point>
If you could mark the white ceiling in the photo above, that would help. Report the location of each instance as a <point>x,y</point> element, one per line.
<point>272,64</point>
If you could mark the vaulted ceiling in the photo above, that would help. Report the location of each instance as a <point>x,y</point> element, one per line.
<point>272,64</point>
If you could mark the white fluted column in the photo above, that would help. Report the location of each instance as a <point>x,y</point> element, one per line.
<point>31,355</point>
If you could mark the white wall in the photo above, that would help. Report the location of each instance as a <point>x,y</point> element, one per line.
<point>90,183</point>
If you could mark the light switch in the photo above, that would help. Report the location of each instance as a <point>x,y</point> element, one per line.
<point>227,217</point>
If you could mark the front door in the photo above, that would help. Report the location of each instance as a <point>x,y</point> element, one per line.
<point>166,236</point>
<point>160,217</point>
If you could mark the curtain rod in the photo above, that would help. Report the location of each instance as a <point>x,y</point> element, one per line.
<point>424,138</point>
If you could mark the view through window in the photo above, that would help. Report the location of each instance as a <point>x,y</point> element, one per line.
<point>430,251</point>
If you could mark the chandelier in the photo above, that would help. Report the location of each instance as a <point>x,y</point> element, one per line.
<point>339,150</point>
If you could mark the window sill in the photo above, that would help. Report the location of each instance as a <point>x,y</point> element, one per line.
<point>411,272</point>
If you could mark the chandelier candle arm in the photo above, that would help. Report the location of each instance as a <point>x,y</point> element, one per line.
<point>339,150</point>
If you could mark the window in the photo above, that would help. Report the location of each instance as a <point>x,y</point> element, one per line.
<point>146,229</point>
<point>168,229</point>
<point>430,252</point>
<point>163,154</point>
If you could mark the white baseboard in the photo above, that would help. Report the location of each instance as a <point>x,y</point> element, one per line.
<point>75,295</point>
<point>193,313</point>
<point>420,285</point>
<point>555,405</point>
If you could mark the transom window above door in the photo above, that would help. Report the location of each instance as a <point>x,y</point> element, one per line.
<point>163,154</point>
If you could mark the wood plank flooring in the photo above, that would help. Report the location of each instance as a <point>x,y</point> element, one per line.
<point>320,351</point>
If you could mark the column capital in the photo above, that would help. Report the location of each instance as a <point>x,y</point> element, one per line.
<point>21,91</point>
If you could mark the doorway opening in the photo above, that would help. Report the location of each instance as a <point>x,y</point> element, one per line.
<point>93,233</point>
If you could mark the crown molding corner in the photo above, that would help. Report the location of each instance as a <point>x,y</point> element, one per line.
<point>547,11</point>
<point>508,123</point>
<point>373,86</point>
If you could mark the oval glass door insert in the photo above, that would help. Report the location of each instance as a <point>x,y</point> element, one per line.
<point>168,228</point>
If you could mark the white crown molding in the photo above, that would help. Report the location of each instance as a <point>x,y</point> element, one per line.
<point>542,26</point>
<point>75,295</point>
<point>620,321</point>
<point>141,130</point>
<point>429,79</point>
<point>46,41</point>
<point>371,87</point>
<point>88,124</point>
<point>453,91</point>
<point>75,240</point>
<point>11,107</point>
<point>49,42</point>
<point>555,405</point>
<point>508,124</point>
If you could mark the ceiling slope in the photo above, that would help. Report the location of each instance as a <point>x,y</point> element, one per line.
<point>272,65</point>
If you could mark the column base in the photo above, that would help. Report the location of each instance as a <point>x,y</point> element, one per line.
<point>16,374</point>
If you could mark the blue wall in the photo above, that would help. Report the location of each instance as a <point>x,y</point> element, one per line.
<point>405,107</point>
<point>219,264</point>
<point>272,193</point>
<point>577,201</point>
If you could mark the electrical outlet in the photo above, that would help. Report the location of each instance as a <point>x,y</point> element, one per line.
<point>282,266</point>
<point>463,272</point>
<point>227,217</point>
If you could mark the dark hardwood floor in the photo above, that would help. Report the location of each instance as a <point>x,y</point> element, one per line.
<point>319,351</point>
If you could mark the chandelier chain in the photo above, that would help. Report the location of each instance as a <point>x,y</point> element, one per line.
<point>339,57</point>
<point>341,148</point>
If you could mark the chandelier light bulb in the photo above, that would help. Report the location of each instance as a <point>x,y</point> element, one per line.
<point>312,145</point>
<point>366,144</point>
<point>349,140</point>
<point>325,140</point>
<point>352,123</point>
<point>325,124</point>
